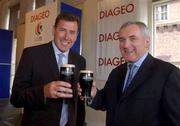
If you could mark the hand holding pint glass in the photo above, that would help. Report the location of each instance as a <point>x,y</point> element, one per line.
<point>85,81</point>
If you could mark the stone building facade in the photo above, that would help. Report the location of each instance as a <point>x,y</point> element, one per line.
<point>167,32</point>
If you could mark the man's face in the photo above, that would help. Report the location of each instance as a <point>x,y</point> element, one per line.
<point>133,45</point>
<point>65,34</point>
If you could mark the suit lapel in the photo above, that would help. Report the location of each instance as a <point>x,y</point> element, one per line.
<point>51,60</point>
<point>71,58</point>
<point>121,78</point>
<point>143,74</point>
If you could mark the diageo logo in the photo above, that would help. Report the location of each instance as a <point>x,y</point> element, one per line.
<point>38,29</point>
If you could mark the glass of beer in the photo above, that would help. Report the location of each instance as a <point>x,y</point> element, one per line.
<point>67,74</point>
<point>86,80</point>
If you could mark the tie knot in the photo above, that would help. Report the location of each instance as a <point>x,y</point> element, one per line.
<point>130,66</point>
<point>60,55</point>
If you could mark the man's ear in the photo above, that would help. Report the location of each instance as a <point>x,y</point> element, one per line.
<point>148,43</point>
<point>53,30</point>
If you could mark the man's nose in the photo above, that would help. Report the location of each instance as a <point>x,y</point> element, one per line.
<point>126,43</point>
<point>67,35</point>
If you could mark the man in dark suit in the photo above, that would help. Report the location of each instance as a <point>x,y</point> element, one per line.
<point>37,87</point>
<point>146,94</point>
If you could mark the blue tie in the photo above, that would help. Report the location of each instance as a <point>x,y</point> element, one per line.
<point>130,75</point>
<point>64,111</point>
<point>60,60</point>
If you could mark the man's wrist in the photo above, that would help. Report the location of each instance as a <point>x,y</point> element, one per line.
<point>89,101</point>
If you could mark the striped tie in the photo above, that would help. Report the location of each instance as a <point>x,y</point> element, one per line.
<point>64,111</point>
<point>131,68</point>
<point>60,60</point>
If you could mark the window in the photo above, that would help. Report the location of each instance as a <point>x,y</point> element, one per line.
<point>161,12</point>
<point>14,18</point>
<point>13,24</point>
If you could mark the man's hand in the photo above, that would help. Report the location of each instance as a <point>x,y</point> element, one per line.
<point>93,90</point>
<point>58,89</point>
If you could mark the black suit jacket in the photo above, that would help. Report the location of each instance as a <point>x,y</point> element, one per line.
<point>151,100</point>
<point>37,67</point>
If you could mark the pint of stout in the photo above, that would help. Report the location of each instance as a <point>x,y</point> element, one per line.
<point>67,73</point>
<point>86,80</point>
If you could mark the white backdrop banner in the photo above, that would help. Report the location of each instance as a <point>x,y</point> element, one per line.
<point>39,25</point>
<point>111,15</point>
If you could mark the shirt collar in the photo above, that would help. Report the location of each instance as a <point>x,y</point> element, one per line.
<point>140,61</point>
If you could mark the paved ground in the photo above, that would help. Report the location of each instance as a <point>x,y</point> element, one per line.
<point>9,116</point>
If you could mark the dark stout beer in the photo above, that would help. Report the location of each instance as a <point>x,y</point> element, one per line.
<point>67,73</point>
<point>86,80</point>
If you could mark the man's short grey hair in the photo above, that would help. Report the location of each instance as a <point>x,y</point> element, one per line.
<point>141,25</point>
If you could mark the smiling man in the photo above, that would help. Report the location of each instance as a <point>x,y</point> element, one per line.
<point>145,91</point>
<point>37,87</point>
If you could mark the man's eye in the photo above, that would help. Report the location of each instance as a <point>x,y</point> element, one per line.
<point>121,40</point>
<point>72,32</point>
<point>61,29</point>
<point>132,39</point>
